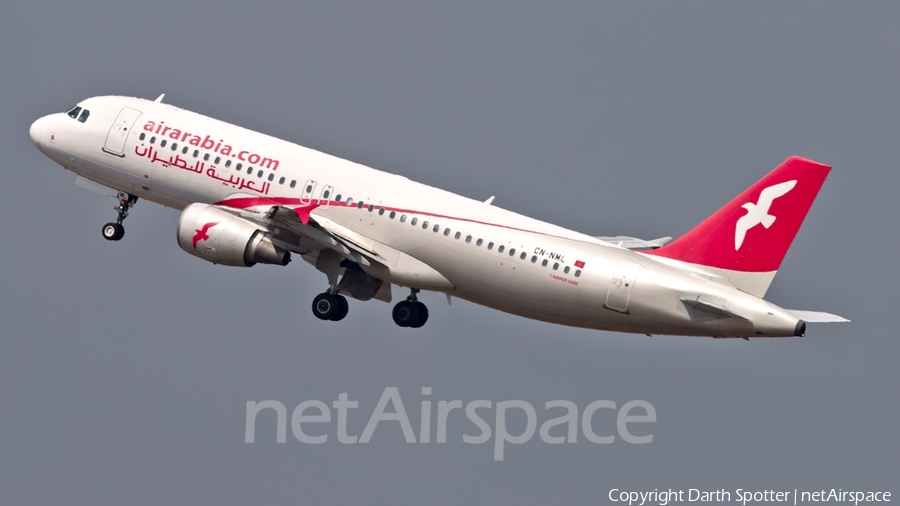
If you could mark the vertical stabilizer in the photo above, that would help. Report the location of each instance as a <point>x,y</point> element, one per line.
<point>748,237</point>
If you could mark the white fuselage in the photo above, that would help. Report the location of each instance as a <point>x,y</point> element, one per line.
<point>544,271</point>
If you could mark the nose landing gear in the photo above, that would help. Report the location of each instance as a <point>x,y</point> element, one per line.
<point>410,312</point>
<point>115,231</point>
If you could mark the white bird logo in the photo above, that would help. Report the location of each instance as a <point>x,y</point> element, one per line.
<point>758,213</point>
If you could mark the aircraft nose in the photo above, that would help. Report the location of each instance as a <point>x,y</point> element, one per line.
<point>40,130</point>
<point>37,131</point>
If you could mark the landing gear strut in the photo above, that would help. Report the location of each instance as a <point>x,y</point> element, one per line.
<point>115,231</point>
<point>410,312</point>
<point>330,306</point>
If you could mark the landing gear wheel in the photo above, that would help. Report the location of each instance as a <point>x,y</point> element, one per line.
<point>113,231</point>
<point>406,313</point>
<point>327,306</point>
<point>423,315</point>
<point>344,308</point>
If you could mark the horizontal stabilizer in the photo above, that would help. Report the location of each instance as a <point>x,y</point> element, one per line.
<point>703,304</point>
<point>817,316</point>
<point>634,243</point>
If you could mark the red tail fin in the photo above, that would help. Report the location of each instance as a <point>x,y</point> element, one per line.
<point>753,232</point>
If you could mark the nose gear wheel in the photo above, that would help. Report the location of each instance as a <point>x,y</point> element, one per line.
<point>115,231</point>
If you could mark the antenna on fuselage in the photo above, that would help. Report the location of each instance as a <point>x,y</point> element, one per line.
<point>489,200</point>
<point>159,98</point>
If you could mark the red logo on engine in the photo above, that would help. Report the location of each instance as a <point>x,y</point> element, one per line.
<point>201,233</point>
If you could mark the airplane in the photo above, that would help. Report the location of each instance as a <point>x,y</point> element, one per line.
<point>247,198</point>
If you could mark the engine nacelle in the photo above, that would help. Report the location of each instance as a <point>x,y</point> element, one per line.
<point>220,237</point>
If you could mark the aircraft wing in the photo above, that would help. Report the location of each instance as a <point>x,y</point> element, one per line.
<point>306,229</point>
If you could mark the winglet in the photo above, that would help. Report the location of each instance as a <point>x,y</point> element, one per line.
<point>304,211</point>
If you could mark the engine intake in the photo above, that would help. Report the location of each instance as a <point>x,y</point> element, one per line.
<point>217,236</point>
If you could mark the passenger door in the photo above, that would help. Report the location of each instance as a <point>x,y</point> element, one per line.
<point>620,287</point>
<point>118,132</point>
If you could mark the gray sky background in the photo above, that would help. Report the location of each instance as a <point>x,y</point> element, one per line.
<point>125,368</point>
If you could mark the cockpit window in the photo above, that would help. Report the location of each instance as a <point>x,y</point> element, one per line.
<point>84,115</point>
<point>73,113</point>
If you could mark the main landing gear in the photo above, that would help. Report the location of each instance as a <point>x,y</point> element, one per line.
<point>410,312</point>
<point>330,306</point>
<point>115,231</point>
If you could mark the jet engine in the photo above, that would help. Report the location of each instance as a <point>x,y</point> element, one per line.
<point>217,236</point>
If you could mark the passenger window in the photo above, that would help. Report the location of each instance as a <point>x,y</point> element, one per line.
<point>143,136</point>
<point>478,242</point>
<point>446,231</point>
<point>337,198</point>
<point>414,221</point>
<point>196,153</point>
<point>371,207</point>
<point>174,146</point>
<point>468,238</point>
<point>457,235</point>
<point>566,270</point>
<point>152,140</point>
<point>238,167</point>
<point>490,245</point>
<point>501,248</point>
<point>271,177</point>
<point>249,170</point>
<point>578,273</point>
<point>360,205</point>
<point>544,263</point>
<point>403,218</point>
<point>281,181</point>
<point>293,184</point>
<point>393,214</point>
<point>84,115</point>
<point>424,225</point>
<point>325,194</point>
<point>259,174</point>
<point>73,113</point>
<point>206,157</point>
<point>162,143</point>
<point>309,188</point>
<point>437,228</point>
<point>555,266</point>
<point>522,256</point>
<point>184,150</point>
<point>534,259</point>
<point>512,251</point>
<point>381,212</point>
<point>227,162</point>
<point>349,201</point>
